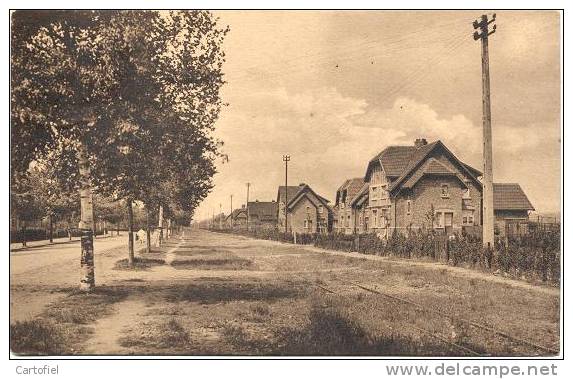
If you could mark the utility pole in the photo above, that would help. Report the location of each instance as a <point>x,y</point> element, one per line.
<point>248,186</point>
<point>286,159</point>
<point>231,214</point>
<point>487,209</point>
<point>220,216</point>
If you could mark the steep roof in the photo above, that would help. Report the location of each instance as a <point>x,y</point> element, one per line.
<point>431,167</point>
<point>399,161</point>
<point>236,213</point>
<point>352,187</point>
<point>361,196</point>
<point>291,192</point>
<point>305,190</point>
<point>264,210</point>
<point>510,196</point>
<point>394,159</point>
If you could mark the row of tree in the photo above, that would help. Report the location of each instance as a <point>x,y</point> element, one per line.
<point>118,103</point>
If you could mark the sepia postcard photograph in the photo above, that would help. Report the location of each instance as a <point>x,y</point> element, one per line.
<point>285,184</point>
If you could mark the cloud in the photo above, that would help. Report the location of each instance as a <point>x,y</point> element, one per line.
<point>331,137</point>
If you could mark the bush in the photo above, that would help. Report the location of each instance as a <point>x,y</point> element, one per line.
<point>534,256</point>
<point>36,337</point>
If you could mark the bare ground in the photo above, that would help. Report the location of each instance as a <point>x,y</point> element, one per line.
<point>218,294</point>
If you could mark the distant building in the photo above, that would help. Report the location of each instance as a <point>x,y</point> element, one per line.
<point>237,219</point>
<point>510,207</point>
<point>427,186</point>
<point>345,217</point>
<point>308,212</point>
<point>262,214</point>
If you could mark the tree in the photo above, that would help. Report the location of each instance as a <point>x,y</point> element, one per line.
<point>64,76</point>
<point>128,97</point>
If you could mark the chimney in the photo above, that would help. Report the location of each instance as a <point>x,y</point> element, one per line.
<point>302,184</point>
<point>420,142</point>
<point>243,206</point>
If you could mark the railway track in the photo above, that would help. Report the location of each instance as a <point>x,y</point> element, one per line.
<point>423,309</point>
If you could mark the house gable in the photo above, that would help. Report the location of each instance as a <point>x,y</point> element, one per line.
<point>441,153</point>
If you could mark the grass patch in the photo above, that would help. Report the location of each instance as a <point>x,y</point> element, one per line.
<point>169,335</point>
<point>63,326</point>
<point>213,264</point>
<point>216,292</point>
<point>36,337</point>
<point>138,264</point>
<point>332,332</point>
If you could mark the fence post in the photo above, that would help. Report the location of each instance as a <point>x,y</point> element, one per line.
<point>447,250</point>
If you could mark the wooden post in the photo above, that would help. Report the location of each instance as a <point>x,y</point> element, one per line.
<point>487,211</point>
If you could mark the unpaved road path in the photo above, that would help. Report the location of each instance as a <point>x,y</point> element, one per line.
<point>37,274</point>
<point>221,294</point>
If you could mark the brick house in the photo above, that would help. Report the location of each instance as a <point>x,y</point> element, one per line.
<point>345,220</point>
<point>511,207</point>
<point>425,186</point>
<point>421,186</point>
<point>308,212</point>
<point>262,214</point>
<point>238,218</point>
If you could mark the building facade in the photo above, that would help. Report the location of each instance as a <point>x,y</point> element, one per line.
<point>425,186</point>
<point>307,211</point>
<point>344,213</point>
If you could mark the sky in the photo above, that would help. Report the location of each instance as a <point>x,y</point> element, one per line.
<point>332,89</point>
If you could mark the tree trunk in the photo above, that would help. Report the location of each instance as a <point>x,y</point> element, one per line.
<point>160,225</point>
<point>24,244</point>
<point>87,281</point>
<point>148,230</point>
<point>94,218</point>
<point>117,229</point>
<point>51,229</point>
<point>131,258</point>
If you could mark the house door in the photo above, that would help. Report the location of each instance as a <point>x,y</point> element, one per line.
<point>448,221</point>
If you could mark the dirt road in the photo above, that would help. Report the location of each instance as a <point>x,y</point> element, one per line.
<point>37,274</point>
<point>206,293</point>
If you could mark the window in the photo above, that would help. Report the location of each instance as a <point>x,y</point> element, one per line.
<point>306,224</point>
<point>307,209</point>
<point>320,209</point>
<point>408,207</point>
<point>439,221</point>
<point>467,195</point>
<point>348,221</point>
<point>374,214</point>
<point>445,191</point>
<point>468,217</point>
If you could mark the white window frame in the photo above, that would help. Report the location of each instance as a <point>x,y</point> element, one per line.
<point>408,207</point>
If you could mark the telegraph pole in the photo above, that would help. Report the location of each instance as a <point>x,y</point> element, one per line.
<point>487,209</point>
<point>231,214</point>
<point>248,186</point>
<point>220,216</point>
<point>286,159</point>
